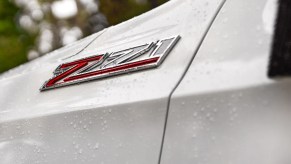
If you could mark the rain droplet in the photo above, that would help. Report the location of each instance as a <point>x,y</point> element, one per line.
<point>96,146</point>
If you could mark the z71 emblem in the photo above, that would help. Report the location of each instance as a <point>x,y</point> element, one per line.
<point>105,65</point>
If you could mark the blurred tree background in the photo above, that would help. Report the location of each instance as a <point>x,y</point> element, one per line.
<point>32,28</point>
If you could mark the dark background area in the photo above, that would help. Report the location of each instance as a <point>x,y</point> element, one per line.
<point>280,62</point>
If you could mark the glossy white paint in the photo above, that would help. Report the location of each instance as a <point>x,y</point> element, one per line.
<point>226,109</point>
<point>115,120</point>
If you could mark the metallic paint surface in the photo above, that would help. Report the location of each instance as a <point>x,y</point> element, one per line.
<point>226,109</point>
<point>115,120</point>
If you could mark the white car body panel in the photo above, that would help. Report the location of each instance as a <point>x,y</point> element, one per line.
<point>226,109</point>
<point>115,120</point>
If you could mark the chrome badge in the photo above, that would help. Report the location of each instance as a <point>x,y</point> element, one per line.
<point>141,57</point>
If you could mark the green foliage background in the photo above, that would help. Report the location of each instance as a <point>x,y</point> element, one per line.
<point>118,11</point>
<point>15,42</point>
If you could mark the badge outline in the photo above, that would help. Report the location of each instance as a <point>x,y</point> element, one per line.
<point>156,64</point>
